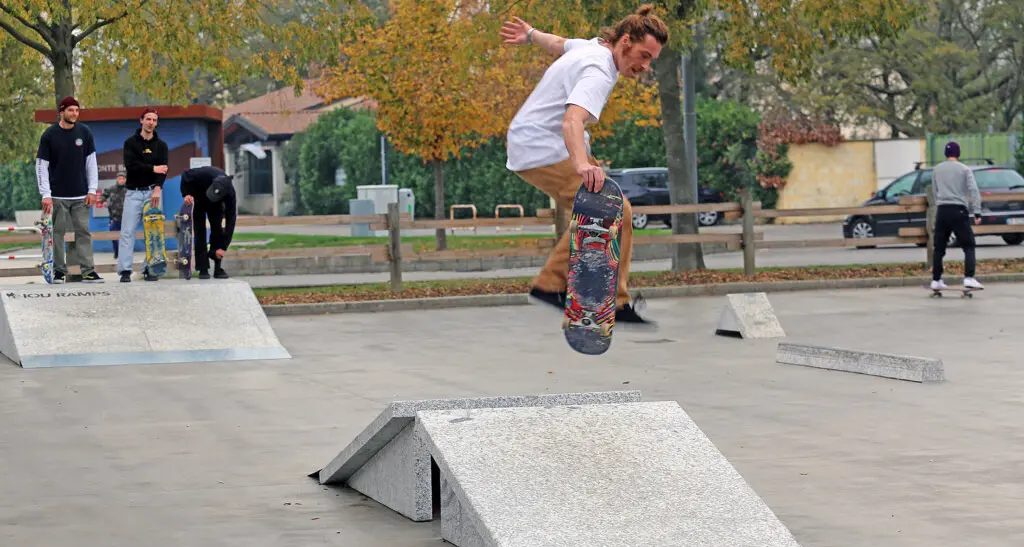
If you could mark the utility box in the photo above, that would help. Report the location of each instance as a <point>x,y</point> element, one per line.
<point>380,194</point>
<point>406,202</point>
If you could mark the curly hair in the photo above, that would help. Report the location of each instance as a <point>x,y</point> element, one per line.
<point>637,26</point>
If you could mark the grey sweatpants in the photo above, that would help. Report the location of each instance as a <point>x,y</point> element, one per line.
<point>72,214</point>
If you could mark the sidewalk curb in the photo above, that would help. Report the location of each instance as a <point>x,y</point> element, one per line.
<point>680,291</point>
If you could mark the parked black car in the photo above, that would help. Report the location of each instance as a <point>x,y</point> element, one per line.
<point>990,178</point>
<point>649,186</point>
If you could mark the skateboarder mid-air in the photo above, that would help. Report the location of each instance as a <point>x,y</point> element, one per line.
<point>212,195</point>
<point>958,202</point>
<point>548,146</point>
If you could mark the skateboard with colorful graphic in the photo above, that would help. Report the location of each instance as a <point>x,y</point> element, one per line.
<point>593,268</point>
<point>183,220</point>
<point>46,229</point>
<point>153,233</point>
<point>966,292</point>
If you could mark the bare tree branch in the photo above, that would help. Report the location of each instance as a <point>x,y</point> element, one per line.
<point>20,37</point>
<point>22,20</point>
<point>885,91</point>
<point>104,22</point>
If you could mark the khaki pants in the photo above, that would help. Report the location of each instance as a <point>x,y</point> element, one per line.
<point>72,214</point>
<point>561,182</point>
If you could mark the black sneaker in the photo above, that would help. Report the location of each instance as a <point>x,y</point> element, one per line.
<point>148,276</point>
<point>58,277</point>
<point>126,277</point>
<point>92,277</point>
<point>203,274</point>
<point>628,318</point>
<point>553,299</point>
<point>220,274</point>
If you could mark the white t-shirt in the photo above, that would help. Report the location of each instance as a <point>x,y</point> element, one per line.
<point>584,75</point>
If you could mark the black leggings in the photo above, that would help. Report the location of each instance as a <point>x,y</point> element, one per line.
<point>953,219</point>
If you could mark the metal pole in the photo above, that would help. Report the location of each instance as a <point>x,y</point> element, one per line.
<point>383,158</point>
<point>690,122</point>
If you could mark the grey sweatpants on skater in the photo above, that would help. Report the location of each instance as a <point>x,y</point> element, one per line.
<point>72,214</point>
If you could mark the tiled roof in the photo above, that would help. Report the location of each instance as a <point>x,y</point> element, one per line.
<point>282,100</point>
<point>281,112</point>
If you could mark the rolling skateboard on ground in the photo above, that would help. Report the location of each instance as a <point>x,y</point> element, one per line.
<point>153,231</point>
<point>183,220</point>
<point>967,292</point>
<point>46,227</point>
<point>593,268</point>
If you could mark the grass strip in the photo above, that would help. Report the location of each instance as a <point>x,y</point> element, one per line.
<point>419,243</point>
<point>518,285</point>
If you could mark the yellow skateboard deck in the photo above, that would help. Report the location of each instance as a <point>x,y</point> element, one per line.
<point>153,230</point>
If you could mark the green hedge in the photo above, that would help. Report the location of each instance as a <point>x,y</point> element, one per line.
<point>18,189</point>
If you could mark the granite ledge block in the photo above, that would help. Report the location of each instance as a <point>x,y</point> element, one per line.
<point>885,365</point>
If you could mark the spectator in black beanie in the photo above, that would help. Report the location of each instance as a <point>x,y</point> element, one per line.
<point>67,176</point>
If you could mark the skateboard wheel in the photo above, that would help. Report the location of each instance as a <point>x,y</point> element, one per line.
<point>614,232</point>
<point>573,225</point>
<point>185,216</point>
<point>606,329</point>
<point>565,323</point>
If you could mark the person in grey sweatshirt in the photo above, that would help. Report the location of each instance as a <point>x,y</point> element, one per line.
<point>958,203</point>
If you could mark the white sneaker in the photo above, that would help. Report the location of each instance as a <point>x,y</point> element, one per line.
<point>939,285</point>
<point>971,283</point>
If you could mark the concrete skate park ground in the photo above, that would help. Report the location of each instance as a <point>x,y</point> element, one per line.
<point>218,453</point>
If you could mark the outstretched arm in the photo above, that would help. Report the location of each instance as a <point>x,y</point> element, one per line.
<point>517,32</point>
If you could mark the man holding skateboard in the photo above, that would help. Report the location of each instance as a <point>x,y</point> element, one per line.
<point>210,191</point>
<point>958,204</point>
<point>548,146</point>
<point>145,160</point>
<point>68,176</point>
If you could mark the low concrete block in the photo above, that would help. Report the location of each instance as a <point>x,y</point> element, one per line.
<point>630,474</point>
<point>388,462</point>
<point>749,315</point>
<point>900,367</point>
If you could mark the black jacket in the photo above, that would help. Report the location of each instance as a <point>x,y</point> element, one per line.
<point>140,156</point>
<point>195,182</point>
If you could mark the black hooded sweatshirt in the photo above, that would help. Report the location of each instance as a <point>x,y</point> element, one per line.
<point>140,156</point>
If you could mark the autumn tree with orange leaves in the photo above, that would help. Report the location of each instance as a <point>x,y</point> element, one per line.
<point>443,81</point>
<point>440,88</point>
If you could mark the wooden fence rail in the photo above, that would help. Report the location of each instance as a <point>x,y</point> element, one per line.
<point>748,239</point>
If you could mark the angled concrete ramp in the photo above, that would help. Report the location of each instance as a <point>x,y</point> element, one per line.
<point>622,475</point>
<point>749,315</point>
<point>168,321</point>
<point>389,462</point>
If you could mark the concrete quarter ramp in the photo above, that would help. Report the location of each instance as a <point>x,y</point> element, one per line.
<point>615,475</point>
<point>115,323</point>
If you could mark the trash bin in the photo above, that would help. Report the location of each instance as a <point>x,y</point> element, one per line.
<point>406,202</point>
